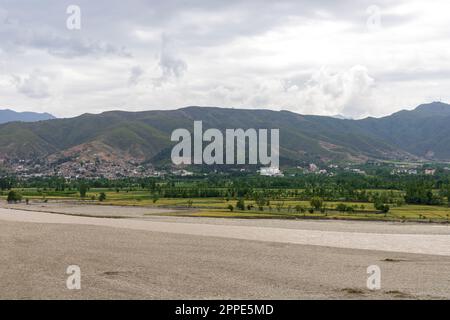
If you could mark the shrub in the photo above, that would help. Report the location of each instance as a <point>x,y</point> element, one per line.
<point>240,204</point>
<point>341,207</point>
<point>83,190</point>
<point>102,197</point>
<point>14,196</point>
<point>382,207</point>
<point>316,203</point>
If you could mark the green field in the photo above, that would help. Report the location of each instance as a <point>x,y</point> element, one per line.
<point>218,207</point>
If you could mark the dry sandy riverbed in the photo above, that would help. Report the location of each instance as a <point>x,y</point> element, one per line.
<point>90,210</point>
<point>170,257</point>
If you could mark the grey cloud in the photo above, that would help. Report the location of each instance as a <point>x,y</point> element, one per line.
<point>71,47</point>
<point>107,25</point>
<point>233,49</point>
<point>36,85</point>
<point>172,66</point>
<point>194,23</point>
<point>136,73</point>
<point>17,37</point>
<point>328,92</point>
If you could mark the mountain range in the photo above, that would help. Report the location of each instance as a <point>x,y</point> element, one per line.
<point>144,137</point>
<point>11,116</point>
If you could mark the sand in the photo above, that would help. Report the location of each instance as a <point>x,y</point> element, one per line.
<point>190,258</point>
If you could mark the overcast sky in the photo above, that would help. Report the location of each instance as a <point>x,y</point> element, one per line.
<point>327,57</point>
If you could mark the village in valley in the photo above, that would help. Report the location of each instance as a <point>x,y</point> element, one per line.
<point>97,168</point>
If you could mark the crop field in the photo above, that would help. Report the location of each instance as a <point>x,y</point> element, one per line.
<point>289,208</point>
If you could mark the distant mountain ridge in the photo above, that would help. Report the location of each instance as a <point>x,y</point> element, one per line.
<point>144,137</point>
<point>423,131</point>
<point>8,115</point>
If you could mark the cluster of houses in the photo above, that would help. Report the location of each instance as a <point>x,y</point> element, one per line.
<point>114,170</point>
<point>86,169</point>
<point>413,171</point>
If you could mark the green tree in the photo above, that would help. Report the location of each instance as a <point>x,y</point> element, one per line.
<point>382,207</point>
<point>445,192</point>
<point>316,203</point>
<point>83,190</point>
<point>102,197</point>
<point>341,207</point>
<point>6,183</point>
<point>421,193</point>
<point>14,196</point>
<point>260,202</point>
<point>240,204</point>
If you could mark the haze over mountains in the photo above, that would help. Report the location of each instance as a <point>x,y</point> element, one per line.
<point>423,133</point>
<point>11,116</point>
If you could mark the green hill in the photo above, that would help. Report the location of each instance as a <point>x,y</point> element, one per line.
<point>145,136</point>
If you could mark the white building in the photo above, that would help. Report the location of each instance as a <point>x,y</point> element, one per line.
<point>183,173</point>
<point>271,172</point>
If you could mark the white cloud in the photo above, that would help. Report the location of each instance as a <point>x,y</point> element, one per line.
<point>307,56</point>
<point>35,85</point>
<point>172,66</point>
<point>136,74</point>
<point>345,92</point>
